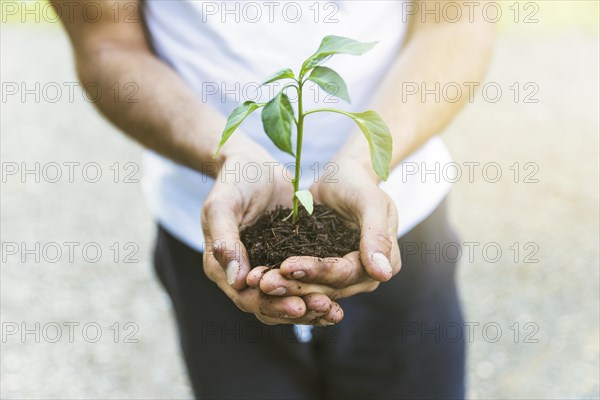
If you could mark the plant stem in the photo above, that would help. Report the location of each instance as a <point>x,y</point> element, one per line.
<point>316,110</point>
<point>300,128</point>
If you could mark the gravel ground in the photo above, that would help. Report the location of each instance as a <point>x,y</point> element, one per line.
<point>544,299</point>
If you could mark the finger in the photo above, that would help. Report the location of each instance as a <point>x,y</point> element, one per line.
<point>396,256</point>
<point>281,307</point>
<point>378,227</point>
<point>393,223</point>
<point>220,225</point>
<point>273,283</point>
<point>334,272</point>
<point>317,305</point>
<point>333,316</point>
<point>268,309</point>
<point>255,275</point>
<point>320,311</point>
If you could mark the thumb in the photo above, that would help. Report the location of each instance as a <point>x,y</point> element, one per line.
<point>378,228</point>
<point>219,223</point>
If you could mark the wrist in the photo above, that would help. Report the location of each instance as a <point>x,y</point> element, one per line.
<point>243,150</point>
<point>250,151</point>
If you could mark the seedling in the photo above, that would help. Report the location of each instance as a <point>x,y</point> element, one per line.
<point>278,115</point>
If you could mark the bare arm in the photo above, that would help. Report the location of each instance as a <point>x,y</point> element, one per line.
<point>442,52</point>
<point>434,52</point>
<point>166,116</point>
<point>170,119</point>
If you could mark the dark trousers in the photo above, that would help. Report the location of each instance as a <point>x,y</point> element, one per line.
<point>404,340</point>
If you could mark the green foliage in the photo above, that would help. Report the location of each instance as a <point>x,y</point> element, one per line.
<point>282,74</point>
<point>379,138</point>
<point>330,81</point>
<point>306,199</point>
<point>278,114</point>
<point>277,118</point>
<point>237,116</point>
<point>331,45</point>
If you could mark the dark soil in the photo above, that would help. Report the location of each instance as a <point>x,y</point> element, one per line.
<point>273,238</point>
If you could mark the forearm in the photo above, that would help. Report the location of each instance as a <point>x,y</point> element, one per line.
<point>434,55</point>
<point>164,114</point>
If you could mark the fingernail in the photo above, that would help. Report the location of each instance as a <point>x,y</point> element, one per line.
<point>277,292</point>
<point>298,274</point>
<point>232,270</point>
<point>382,264</point>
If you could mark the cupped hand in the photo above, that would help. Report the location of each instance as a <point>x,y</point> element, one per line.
<point>355,195</point>
<point>237,199</point>
<point>298,276</point>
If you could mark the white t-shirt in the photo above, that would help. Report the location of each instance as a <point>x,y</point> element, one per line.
<point>224,50</point>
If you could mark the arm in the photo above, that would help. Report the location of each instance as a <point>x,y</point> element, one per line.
<point>169,119</point>
<point>165,116</point>
<point>434,52</point>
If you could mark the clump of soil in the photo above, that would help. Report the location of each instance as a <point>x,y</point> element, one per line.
<point>273,237</point>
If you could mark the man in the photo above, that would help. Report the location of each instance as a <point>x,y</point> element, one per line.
<point>184,57</point>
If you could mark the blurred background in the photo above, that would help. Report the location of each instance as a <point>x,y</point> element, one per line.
<point>76,248</point>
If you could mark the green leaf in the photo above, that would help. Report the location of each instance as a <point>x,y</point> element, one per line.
<point>237,116</point>
<point>282,74</point>
<point>330,81</point>
<point>277,118</point>
<point>331,45</point>
<point>305,197</point>
<point>380,140</point>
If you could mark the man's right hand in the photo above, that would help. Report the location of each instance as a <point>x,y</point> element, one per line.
<point>234,202</point>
